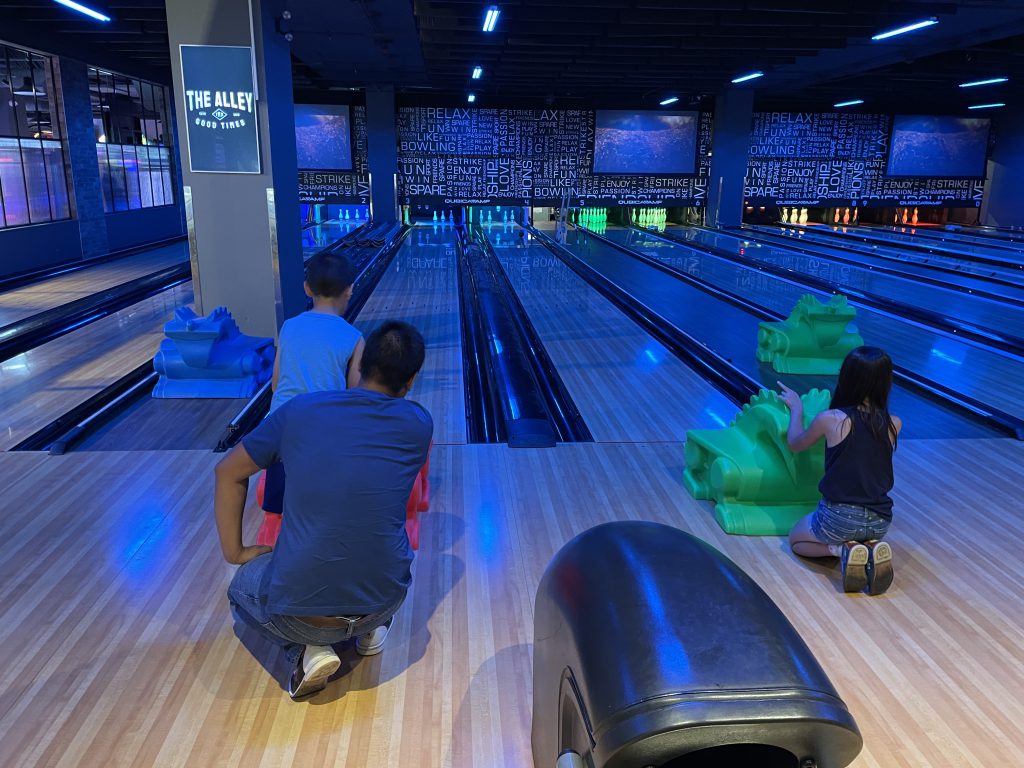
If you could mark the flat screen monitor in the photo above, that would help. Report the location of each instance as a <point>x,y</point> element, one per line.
<point>662,143</point>
<point>940,146</point>
<point>323,137</point>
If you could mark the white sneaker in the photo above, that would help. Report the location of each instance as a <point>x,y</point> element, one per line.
<point>317,663</point>
<point>372,643</point>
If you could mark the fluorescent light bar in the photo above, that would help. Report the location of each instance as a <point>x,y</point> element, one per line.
<point>992,81</point>
<point>471,98</point>
<point>849,103</point>
<point>477,72</point>
<point>82,9</point>
<point>744,78</point>
<point>491,19</point>
<point>904,30</point>
<point>987,106</point>
<point>669,100</point>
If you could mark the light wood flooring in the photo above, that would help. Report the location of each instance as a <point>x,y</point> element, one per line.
<point>119,649</point>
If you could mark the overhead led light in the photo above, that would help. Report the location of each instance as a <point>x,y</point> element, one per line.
<point>903,30</point>
<point>849,103</point>
<point>491,18</point>
<point>744,78</point>
<point>988,106</point>
<point>471,98</point>
<point>477,72</point>
<point>991,81</point>
<point>83,9</point>
<point>669,100</point>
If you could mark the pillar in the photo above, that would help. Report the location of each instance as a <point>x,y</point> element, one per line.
<point>1004,205</point>
<point>734,113</point>
<point>244,230</point>
<point>382,151</point>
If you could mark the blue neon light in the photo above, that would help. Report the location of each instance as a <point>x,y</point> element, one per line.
<point>990,81</point>
<point>83,9</point>
<point>491,19</point>
<point>849,103</point>
<point>669,100</point>
<point>903,30</point>
<point>744,78</point>
<point>477,72</point>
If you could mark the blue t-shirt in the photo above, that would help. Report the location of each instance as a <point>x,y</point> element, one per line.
<point>314,351</point>
<point>352,457</point>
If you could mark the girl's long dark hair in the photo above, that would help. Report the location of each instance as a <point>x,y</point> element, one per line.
<point>865,380</point>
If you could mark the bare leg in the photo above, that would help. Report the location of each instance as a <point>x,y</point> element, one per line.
<point>803,541</point>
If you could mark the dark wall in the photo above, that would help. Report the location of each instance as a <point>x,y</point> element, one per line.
<point>26,249</point>
<point>129,229</point>
<point>1005,204</point>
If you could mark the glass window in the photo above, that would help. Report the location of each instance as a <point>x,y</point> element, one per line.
<point>132,146</point>
<point>33,177</point>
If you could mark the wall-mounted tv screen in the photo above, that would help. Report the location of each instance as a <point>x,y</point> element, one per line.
<point>924,145</point>
<point>662,143</point>
<point>323,137</point>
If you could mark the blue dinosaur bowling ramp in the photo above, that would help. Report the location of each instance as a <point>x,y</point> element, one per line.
<point>209,357</point>
<point>651,648</point>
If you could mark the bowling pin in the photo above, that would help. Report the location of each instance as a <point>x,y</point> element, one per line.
<point>803,215</point>
<point>846,216</point>
<point>785,215</point>
<point>855,215</point>
<point>835,218</point>
<point>435,217</point>
<point>489,217</point>
<point>913,219</point>
<point>905,217</point>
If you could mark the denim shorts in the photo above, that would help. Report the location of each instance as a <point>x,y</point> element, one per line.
<point>836,523</point>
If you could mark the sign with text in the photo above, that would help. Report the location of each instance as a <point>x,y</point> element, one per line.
<point>220,109</point>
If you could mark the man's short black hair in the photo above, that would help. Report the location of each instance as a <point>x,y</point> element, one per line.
<point>329,274</point>
<point>393,354</point>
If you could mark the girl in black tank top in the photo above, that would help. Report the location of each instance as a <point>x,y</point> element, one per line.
<point>860,437</point>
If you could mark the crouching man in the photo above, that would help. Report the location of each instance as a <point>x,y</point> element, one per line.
<point>340,567</point>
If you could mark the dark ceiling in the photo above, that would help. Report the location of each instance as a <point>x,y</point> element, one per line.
<point>594,52</point>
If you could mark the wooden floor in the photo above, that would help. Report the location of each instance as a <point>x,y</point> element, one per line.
<point>120,651</point>
<point>47,294</point>
<point>119,648</point>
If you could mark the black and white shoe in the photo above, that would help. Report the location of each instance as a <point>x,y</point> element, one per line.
<point>853,558</point>
<point>315,665</point>
<point>879,566</point>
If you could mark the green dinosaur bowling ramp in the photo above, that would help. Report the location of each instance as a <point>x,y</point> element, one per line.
<point>759,486</point>
<point>814,339</point>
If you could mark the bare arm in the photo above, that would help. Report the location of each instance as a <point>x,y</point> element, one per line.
<point>352,379</point>
<point>800,439</point>
<point>232,484</point>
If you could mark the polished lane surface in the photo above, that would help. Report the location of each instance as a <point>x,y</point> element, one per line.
<point>325,233</point>
<point>732,331</point>
<point>28,300</point>
<point>420,287</point>
<point>626,385</point>
<point>952,302</point>
<point>989,377</point>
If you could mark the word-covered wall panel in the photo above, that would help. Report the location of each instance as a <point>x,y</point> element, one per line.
<point>834,158</point>
<point>478,156</point>
<point>341,187</point>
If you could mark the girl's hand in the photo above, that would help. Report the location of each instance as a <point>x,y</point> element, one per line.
<point>790,398</point>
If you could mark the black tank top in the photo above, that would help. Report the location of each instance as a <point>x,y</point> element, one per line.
<point>859,469</point>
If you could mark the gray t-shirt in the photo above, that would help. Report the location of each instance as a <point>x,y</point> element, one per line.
<point>315,348</point>
<point>352,457</point>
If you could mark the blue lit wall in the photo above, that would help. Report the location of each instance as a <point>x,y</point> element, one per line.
<point>341,187</point>
<point>837,158</point>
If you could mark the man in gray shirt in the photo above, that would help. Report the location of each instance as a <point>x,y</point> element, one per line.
<point>340,568</point>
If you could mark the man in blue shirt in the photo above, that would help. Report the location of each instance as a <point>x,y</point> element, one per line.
<point>340,568</point>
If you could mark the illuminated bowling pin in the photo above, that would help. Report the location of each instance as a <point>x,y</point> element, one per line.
<point>451,216</point>
<point>481,217</point>
<point>488,217</point>
<point>846,216</point>
<point>913,219</point>
<point>905,217</point>
<point>785,215</point>
<point>435,217</point>
<point>803,215</point>
<point>835,218</point>
<point>855,215</point>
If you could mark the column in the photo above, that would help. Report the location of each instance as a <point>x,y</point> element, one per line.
<point>382,151</point>
<point>734,112</point>
<point>244,231</point>
<point>1004,205</point>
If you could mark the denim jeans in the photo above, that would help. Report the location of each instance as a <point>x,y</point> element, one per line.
<point>836,523</point>
<point>290,632</point>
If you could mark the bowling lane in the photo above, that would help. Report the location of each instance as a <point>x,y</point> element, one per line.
<point>325,233</point>
<point>995,239</point>
<point>952,302</point>
<point>627,386</point>
<point>999,282</point>
<point>732,331</point>
<point>38,297</point>
<point>1010,258</point>
<point>420,287</point>
<point>42,384</point>
<point>987,376</point>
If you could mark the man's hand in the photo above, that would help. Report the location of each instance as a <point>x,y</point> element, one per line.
<point>249,553</point>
